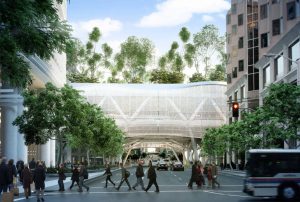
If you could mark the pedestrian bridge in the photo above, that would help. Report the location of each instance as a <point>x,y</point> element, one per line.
<point>160,115</point>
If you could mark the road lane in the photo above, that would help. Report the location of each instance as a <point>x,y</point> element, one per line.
<point>173,188</point>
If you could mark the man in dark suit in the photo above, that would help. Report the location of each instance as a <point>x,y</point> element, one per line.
<point>194,176</point>
<point>4,176</point>
<point>152,178</point>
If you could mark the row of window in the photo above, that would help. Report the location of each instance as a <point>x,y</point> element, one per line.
<point>253,17</point>
<point>235,70</point>
<point>290,10</point>
<point>293,54</point>
<point>264,11</point>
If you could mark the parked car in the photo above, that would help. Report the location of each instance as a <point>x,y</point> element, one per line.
<point>177,165</point>
<point>162,165</point>
<point>167,162</point>
<point>154,163</point>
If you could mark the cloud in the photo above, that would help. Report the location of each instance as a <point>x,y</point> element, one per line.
<point>81,29</point>
<point>175,12</point>
<point>223,16</point>
<point>207,18</point>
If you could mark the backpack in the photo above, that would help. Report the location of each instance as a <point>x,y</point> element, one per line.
<point>85,174</point>
<point>127,174</point>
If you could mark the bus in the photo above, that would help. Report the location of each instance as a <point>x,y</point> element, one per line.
<point>273,173</point>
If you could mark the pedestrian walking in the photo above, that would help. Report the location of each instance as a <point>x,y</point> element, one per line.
<point>152,178</point>
<point>12,173</point>
<point>75,176</point>
<point>83,174</point>
<point>39,178</point>
<point>199,177</point>
<point>209,176</point>
<point>61,177</point>
<point>4,176</point>
<point>27,180</point>
<point>139,173</point>
<point>108,174</point>
<point>194,176</point>
<point>214,172</point>
<point>125,176</point>
<point>20,167</point>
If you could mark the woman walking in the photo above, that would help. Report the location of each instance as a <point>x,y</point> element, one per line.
<point>108,174</point>
<point>26,179</point>
<point>75,177</point>
<point>12,173</point>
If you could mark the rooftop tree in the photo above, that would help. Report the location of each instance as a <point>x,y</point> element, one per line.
<point>133,58</point>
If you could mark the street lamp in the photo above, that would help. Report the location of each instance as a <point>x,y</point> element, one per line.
<point>297,62</point>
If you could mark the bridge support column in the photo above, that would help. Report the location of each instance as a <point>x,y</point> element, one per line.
<point>175,154</point>
<point>126,157</point>
<point>185,157</point>
<point>194,145</point>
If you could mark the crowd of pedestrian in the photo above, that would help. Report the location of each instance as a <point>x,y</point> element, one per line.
<point>33,175</point>
<point>198,175</point>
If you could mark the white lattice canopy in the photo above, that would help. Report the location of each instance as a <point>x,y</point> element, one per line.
<point>160,113</point>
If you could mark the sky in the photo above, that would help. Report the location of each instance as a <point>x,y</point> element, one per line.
<point>158,20</point>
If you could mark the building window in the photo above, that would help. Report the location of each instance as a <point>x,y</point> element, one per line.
<point>242,91</point>
<point>240,19</point>
<point>276,27</point>
<point>234,29</point>
<point>241,42</point>
<point>263,11</point>
<point>228,78</point>
<point>266,76</point>
<point>278,67</point>
<point>241,65</point>
<point>235,96</point>
<point>294,53</point>
<point>234,72</point>
<point>291,10</point>
<point>275,1</point>
<point>264,40</point>
<point>233,8</point>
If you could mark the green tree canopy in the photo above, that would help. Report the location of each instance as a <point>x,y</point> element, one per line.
<point>207,42</point>
<point>133,58</point>
<point>64,115</point>
<point>28,28</point>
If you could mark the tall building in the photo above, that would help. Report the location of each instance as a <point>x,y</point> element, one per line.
<point>254,28</point>
<point>11,105</point>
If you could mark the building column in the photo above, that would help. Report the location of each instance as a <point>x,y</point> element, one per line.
<point>52,153</point>
<point>45,153</point>
<point>22,148</point>
<point>9,132</point>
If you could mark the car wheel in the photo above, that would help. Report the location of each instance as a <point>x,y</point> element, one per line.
<point>288,192</point>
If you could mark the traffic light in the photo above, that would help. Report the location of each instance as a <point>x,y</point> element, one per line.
<point>235,109</point>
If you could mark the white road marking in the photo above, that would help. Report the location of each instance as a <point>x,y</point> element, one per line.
<point>234,195</point>
<point>218,192</point>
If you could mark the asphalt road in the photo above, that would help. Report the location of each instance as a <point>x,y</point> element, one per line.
<point>173,188</point>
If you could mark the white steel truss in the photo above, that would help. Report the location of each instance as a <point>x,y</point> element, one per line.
<point>153,114</point>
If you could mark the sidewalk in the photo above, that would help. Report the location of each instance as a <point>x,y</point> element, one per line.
<point>239,173</point>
